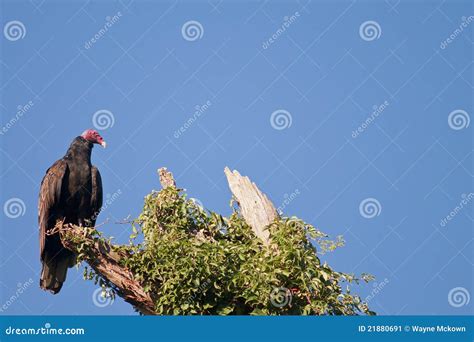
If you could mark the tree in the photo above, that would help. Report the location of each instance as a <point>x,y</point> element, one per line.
<point>183,259</point>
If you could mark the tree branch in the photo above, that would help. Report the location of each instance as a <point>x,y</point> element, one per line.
<point>104,260</point>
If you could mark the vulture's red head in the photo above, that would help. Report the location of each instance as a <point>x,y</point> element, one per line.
<point>94,137</point>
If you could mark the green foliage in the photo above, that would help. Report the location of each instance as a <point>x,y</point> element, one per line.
<point>196,262</point>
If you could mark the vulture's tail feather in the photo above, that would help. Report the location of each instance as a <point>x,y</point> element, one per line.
<point>53,273</point>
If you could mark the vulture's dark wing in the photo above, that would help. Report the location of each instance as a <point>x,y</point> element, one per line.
<point>49,198</point>
<point>96,198</point>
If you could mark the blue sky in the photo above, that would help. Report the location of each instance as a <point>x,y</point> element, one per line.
<point>385,178</point>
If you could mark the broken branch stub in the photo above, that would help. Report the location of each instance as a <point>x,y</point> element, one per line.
<point>257,210</point>
<point>166,178</point>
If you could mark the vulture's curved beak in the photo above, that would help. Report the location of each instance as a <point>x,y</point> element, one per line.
<point>103,144</point>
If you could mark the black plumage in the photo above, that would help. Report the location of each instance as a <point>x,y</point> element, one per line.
<point>71,191</point>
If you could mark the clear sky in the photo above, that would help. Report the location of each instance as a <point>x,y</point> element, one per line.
<point>285,93</point>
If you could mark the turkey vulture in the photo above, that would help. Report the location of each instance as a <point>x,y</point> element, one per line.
<point>71,191</point>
